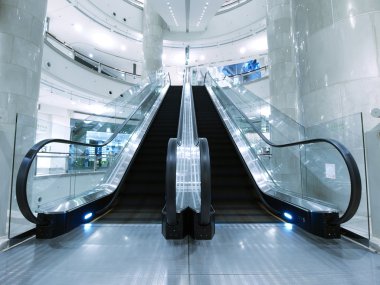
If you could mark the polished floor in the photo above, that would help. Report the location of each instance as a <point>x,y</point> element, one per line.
<point>238,254</point>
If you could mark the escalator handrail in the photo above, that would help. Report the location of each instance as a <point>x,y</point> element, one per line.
<point>170,182</point>
<point>27,161</point>
<point>353,170</point>
<point>205,167</point>
<point>181,114</point>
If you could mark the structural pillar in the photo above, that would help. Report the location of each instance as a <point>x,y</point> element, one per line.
<point>284,92</point>
<point>339,63</point>
<point>21,46</point>
<point>153,39</point>
<point>282,55</point>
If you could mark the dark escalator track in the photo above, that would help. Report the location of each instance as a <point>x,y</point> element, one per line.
<point>233,194</point>
<point>142,195</point>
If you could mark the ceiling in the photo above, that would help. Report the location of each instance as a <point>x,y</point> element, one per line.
<point>110,31</point>
<point>185,15</point>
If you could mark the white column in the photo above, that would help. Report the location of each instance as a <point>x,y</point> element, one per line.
<point>21,44</point>
<point>284,92</point>
<point>282,55</point>
<point>339,61</point>
<point>153,38</point>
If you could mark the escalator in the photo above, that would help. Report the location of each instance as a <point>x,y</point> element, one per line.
<point>263,167</point>
<point>134,183</point>
<point>234,196</point>
<point>313,182</point>
<point>123,166</point>
<point>142,191</point>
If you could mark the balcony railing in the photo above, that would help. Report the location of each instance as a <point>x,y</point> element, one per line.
<point>89,62</point>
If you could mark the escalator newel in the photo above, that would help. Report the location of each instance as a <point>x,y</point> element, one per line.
<point>188,209</point>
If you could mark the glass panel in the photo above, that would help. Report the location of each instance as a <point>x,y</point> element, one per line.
<point>112,72</point>
<point>24,139</point>
<point>81,169</point>
<point>349,131</point>
<point>92,64</point>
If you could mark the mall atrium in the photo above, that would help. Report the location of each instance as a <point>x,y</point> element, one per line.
<point>190,142</point>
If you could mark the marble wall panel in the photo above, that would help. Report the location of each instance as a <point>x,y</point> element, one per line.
<point>21,37</point>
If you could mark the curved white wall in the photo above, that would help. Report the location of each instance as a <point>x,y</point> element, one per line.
<point>242,21</point>
<point>339,70</point>
<point>226,33</point>
<point>76,76</point>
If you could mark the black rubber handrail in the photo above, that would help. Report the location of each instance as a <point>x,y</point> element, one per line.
<point>170,182</point>
<point>353,170</point>
<point>22,176</point>
<point>205,167</point>
<point>180,123</point>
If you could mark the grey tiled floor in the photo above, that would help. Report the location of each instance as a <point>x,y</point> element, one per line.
<point>238,254</point>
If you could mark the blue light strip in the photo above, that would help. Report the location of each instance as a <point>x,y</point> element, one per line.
<point>288,216</point>
<point>87,216</point>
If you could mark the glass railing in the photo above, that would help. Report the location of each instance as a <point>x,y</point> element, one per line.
<point>317,174</point>
<point>58,175</point>
<point>227,5</point>
<point>89,62</point>
<point>249,77</point>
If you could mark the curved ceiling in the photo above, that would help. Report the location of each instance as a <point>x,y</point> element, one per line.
<point>111,32</point>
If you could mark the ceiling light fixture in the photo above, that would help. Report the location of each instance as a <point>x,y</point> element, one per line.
<point>78,28</point>
<point>260,44</point>
<point>104,40</point>
<point>172,13</point>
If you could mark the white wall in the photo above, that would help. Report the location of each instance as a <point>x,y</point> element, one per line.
<point>260,88</point>
<point>329,59</point>
<point>74,75</point>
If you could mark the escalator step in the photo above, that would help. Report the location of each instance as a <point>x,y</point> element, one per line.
<point>233,194</point>
<point>142,193</point>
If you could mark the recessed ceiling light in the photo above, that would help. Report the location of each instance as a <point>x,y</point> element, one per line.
<point>259,44</point>
<point>104,40</point>
<point>202,57</point>
<point>243,50</point>
<point>90,55</point>
<point>78,27</point>
<point>123,47</point>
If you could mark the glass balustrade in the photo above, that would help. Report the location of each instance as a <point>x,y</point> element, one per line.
<point>89,62</point>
